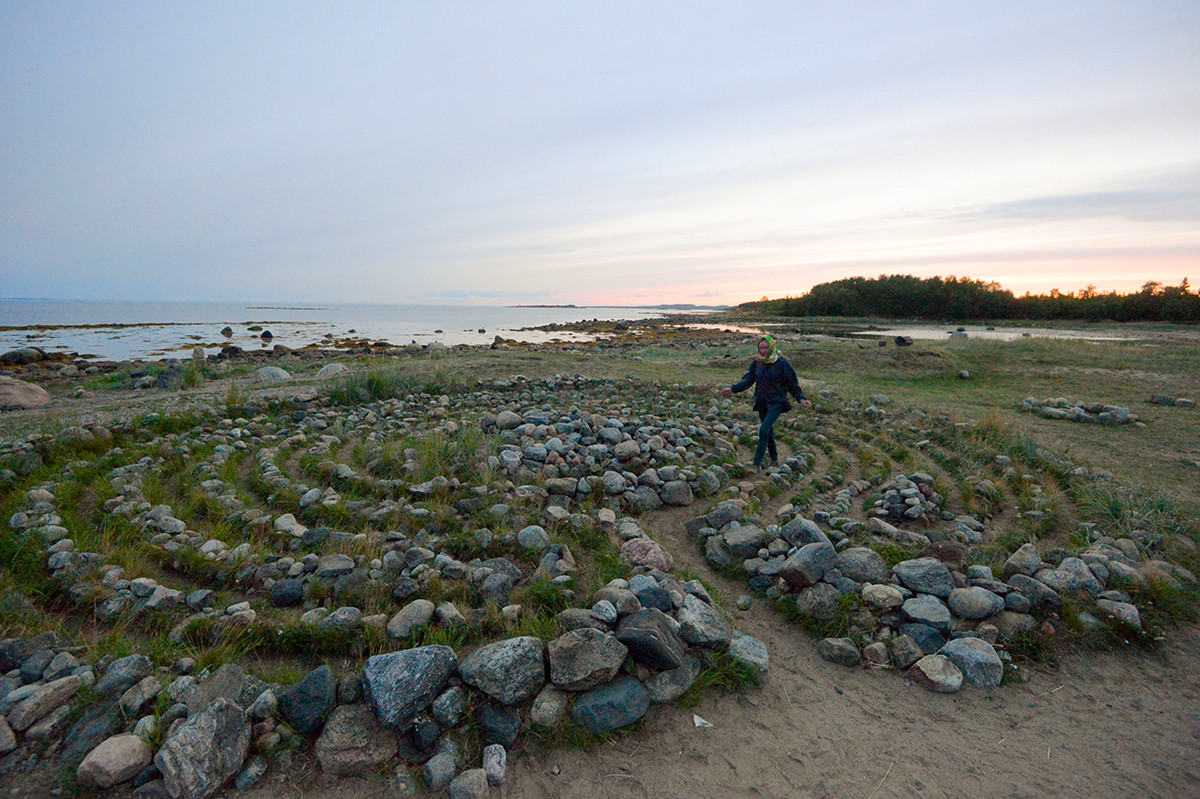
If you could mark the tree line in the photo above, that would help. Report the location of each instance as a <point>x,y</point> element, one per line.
<point>907,297</point>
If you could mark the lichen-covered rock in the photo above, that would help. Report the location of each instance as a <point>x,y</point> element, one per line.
<point>205,752</point>
<point>612,706</point>
<point>398,685</point>
<point>510,671</point>
<point>353,742</point>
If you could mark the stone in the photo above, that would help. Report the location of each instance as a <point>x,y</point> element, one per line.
<point>18,395</point>
<point>533,537</point>
<point>1124,611</point>
<point>667,686</point>
<point>287,593</point>
<point>584,658</point>
<point>549,707</point>
<point>44,700</point>
<point>23,356</point>
<point>136,698</point>
<point>751,653</point>
<point>612,706</point>
<point>1025,560</point>
<point>928,639</point>
<point>470,784</point>
<point>304,706</point>
<point>905,651</point>
<point>800,531</point>
<point>937,674</point>
<point>510,671</point>
<point>821,601</point>
<point>676,492</point>
<point>439,770</point>
<point>928,610</point>
<point>398,685</point>
<point>251,774</point>
<point>205,751</point>
<point>651,640</point>
<point>703,625</point>
<point>271,374</point>
<point>1039,594</point>
<point>116,760</point>
<point>976,659</point>
<point>450,705</point>
<point>98,722</point>
<point>974,603</point>
<point>842,651</point>
<point>411,618</point>
<point>353,742</point>
<point>925,576</point>
<point>745,540</point>
<point>863,565</point>
<point>808,565</point>
<point>8,739</point>
<point>226,682</point>
<point>495,764</point>
<point>332,370</point>
<point>646,552</point>
<point>498,724</point>
<point>122,673</point>
<point>882,596</point>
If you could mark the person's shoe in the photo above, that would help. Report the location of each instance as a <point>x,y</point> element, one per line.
<point>774,462</point>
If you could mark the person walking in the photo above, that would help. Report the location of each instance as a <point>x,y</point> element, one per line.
<point>773,379</point>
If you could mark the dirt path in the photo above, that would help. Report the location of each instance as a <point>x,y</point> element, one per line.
<point>1103,725</point>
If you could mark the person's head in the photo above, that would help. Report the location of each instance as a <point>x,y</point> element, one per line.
<point>766,349</point>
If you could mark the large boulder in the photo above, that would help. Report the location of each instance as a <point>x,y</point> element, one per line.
<point>936,673</point>
<point>702,624</point>
<point>976,659</point>
<point>353,742</point>
<point>114,761</point>
<point>646,552</point>
<point>306,704</point>
<point>974,603</point>
<point>399,685</point>
<point>44,700</point>
<point>122,673</point>
<point>651,639</point>
<point>809,564</point>
<point>18,395</point>
<point>510,671</point>
<point>925,576</point>
<point>610,707</point>
<point>863,565</point>
<point>205,752</point>
<point>584,658</point>
<point>23,356</point>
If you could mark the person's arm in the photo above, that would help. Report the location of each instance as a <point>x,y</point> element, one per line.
<point>793,385</point>
<point>746,381</point>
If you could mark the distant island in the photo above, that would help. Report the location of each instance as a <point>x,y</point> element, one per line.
<point>682,306</point>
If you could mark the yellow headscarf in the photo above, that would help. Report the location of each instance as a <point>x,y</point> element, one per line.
<point>773,354</point>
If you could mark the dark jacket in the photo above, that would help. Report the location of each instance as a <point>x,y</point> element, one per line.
<point>772,383</point>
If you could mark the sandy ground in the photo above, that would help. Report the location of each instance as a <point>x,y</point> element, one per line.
<point>1111,724</point>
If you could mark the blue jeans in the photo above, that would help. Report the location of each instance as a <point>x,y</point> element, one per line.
<point>766,433</point>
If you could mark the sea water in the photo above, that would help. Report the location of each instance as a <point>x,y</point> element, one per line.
<point>127,330</point>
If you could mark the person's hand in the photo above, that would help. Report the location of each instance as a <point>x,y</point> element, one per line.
<point>726,392</point>
<point>806,404</point>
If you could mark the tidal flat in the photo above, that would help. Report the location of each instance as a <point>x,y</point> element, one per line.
<point>531,565</point>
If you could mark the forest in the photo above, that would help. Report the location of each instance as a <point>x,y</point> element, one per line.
<point>909,297</point>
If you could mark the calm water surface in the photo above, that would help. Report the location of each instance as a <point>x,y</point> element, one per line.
<point>172,329</point>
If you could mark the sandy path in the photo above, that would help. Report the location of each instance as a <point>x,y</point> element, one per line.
<point>1103,725</point>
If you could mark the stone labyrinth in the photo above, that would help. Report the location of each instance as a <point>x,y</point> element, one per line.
<point>497,564</point>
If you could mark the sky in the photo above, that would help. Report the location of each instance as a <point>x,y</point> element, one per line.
<point>592,152</point>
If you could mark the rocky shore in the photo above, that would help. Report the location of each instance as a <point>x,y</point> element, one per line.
<point>449,570</point>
